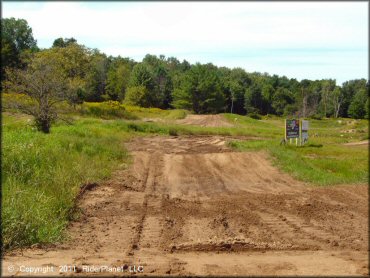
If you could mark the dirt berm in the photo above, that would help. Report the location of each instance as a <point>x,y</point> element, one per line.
<point>192,206</point>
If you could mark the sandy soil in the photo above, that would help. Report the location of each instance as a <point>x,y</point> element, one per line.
<point>191,206</point>
<point>359,143</point>
<point>205,120</point>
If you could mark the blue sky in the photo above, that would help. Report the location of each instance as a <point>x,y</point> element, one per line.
<point>313,40</point>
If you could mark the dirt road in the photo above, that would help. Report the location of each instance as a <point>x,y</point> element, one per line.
<point>192,206</point>
<point>205,120</point>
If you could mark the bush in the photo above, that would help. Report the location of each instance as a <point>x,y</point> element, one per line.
<point>172,132</point>
<point>106,110</point>
<point>316,117</point>
<point>255,116</point>
<point>42,174</point>
<point>137,95</point>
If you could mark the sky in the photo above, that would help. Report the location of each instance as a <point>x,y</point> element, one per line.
<point>302,40</point>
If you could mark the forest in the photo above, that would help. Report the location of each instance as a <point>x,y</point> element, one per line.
<point>71,71</point>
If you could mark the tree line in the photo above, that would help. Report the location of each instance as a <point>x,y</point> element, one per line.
<point>78,73</point>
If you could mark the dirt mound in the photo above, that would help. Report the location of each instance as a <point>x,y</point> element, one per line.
<point>191,206</point>
<point>205,120</point>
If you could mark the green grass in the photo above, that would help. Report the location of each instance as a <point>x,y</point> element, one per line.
<point>253,126</point>
<point>41,174</point>
<point>141,112</point>
<point>106,110</point>
<point>324,160</point>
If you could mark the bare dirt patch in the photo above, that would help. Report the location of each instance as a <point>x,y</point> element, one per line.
<point>191,206</point>
<point>205,120</point>
<point>360,143</point>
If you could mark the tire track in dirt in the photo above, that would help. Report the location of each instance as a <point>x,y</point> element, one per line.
<point>205,120</point>
<point>191,206</point>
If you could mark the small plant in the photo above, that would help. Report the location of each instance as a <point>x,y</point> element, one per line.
<point>316,117</point>
<point>255,116</point>
<point>106,110</point>
<point>172,132</point>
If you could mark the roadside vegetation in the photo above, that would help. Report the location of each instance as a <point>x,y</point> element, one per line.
<point>325,159</point>
<point>42,173</point>
<point>75,73</point>
<point>67,111</point>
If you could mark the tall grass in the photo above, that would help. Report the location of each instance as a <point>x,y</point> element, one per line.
<point>106,110</point>
<point>324,160</point>
<point>41,175</point>
<point>141,112</point>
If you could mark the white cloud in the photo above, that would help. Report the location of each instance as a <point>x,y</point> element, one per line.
<point>176,28</point>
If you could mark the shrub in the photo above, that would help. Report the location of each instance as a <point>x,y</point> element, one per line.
<point>316,117</point>
<point>106,110</point>
<point>255,116</point>
<point>172,132</point>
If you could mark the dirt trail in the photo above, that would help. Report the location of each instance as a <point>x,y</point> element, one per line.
<point>205,120</point>
<point>360,143</point>
<point>192,206</point>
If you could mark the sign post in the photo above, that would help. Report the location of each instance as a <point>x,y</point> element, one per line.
<point>304,132</point>
<point>292,130</point>
<point>297,129</point>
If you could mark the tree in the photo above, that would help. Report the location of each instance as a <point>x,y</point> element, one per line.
<point>46,85</point>
<point>142,76</point>
<point>327,88</point>
<point>349,89</point>
<point>337,100</point>
<point>96,77</point>
<point>237,82</point>
<point>117,81</point>
<point>74,61</point>
<point>16,39</point>
<point>201,88</point>
<point>161,79</point>
<point>60,42</point>
<point>281,99</point>
<point>253,99</point>
<point>137,95</point>
<point>357,108</point>
<point>305,86</point>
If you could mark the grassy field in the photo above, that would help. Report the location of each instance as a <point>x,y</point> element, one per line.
<point>42,174</point>
<point>325,160</point>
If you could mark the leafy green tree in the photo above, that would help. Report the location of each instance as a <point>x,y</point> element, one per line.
<point>367,108</point>
<point>201,87</point>
<point>96,77</point>
<point>74,62</point>
<point>162,79</point>
<point>237,84</point>
<point>349,89</point>
<point>16,40</point>
<point>118,78</point>
<point>281,99</point>
<point>137,95</point>
<point>44,81</point>
<point>337,100</point>
<point>357,108</point>
<point>253,99</point>
<point>60,42</point>
<point>328,87</point>
<point>142,75</point>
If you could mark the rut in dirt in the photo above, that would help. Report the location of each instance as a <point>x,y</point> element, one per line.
<point>194,194</point>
